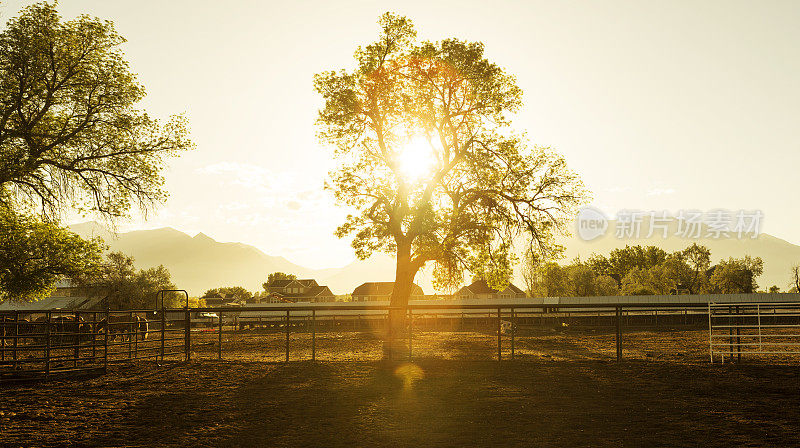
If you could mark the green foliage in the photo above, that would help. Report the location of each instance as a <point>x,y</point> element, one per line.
<point>582,280</point>
<point>234,291</point>
<point>574,280</point>
<point>690,268</point>
<point>553,281</point>
<point>621,261</point>
<point>605,286</point>
<point>278,276</point>
<point>34,254</point>
<point>737,275</point>
<point>70,135</point>
<point>486,185</point>
<point>655,280</point>
<point>647,271</point>
<point>125,287</point>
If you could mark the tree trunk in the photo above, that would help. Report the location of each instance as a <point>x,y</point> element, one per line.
<point>401,293</point>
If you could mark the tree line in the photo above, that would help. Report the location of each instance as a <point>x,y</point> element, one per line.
<point>241,294</point>
<point>645,270</point>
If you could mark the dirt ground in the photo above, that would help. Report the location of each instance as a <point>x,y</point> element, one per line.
<point>563,390</point>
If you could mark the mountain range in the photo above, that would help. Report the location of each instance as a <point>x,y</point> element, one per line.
<point>198,263</point>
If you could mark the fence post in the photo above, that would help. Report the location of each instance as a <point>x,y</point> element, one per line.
<point>758,313</point>
<point>16,338</point>
<point>730,332</point>
<point>94,336</point>
<point>76,351</point>
<point>138,328</point>
<point>287,335</point>
<point>131,331</point>
<point>163,329</point>
<point>47,344</point>
<point>738,338</point>
<point>105,337</point>
<point>313,335</point>
<point>3,334</point>
<point>410,331</point>
<point>710,335</point>
<point>618,337</point>
<point>188,335</point>
<point>513,330</point>
<point>136,338</point>
<point>499,337</point>
<point>219,348</point>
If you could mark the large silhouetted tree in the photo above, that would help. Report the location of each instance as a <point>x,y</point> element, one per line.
<point>427,156</point>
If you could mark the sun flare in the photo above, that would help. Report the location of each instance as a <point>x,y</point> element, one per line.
<point>416,159</point>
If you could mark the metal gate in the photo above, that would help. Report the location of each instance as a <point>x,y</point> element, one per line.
<point>769,330</point>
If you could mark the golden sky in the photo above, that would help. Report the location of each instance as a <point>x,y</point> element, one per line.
<point>658,105</point>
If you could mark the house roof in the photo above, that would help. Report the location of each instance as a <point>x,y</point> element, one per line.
<point>318,291</point>
<point>280,283</point>
<point>382,289</point>
<point>313,289</point>
<point>481,287</point>
<point>306,282</point>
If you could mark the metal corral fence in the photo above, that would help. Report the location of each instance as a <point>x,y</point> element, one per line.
<point>737,329</point>
<point>303,324</point>
<point>48,342</point>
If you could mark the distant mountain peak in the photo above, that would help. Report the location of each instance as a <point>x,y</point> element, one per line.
<point>203,237</point>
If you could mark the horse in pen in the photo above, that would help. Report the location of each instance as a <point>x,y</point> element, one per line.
<point>126,327</point>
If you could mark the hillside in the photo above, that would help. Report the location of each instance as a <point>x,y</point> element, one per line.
<point>196,263</point>
<point>199,263</point>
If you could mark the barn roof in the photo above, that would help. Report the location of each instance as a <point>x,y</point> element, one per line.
<point>306,282</point>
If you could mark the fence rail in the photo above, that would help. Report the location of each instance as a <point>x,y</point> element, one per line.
<point>753,329</point>
<point>56,341</point>
<point>53,341</point>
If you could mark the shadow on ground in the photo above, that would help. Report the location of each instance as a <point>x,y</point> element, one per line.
<point>431,402</point>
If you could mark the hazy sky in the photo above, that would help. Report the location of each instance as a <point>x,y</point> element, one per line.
<point>658,105</point>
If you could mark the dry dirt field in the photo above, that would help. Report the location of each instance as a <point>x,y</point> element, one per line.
<point>564,390</point>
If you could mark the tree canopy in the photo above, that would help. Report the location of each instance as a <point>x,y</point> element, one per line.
<point>644,270</point>
<point>621,261</point>
<point>428,157</point>
<point>234,291</point>
<point>737,275</point>
<point>278,276</point>
<point>34,254</point>
<point>70,133</point>
<point>125,287</point>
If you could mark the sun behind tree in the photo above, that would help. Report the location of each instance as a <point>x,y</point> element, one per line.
<point>427,155</point>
